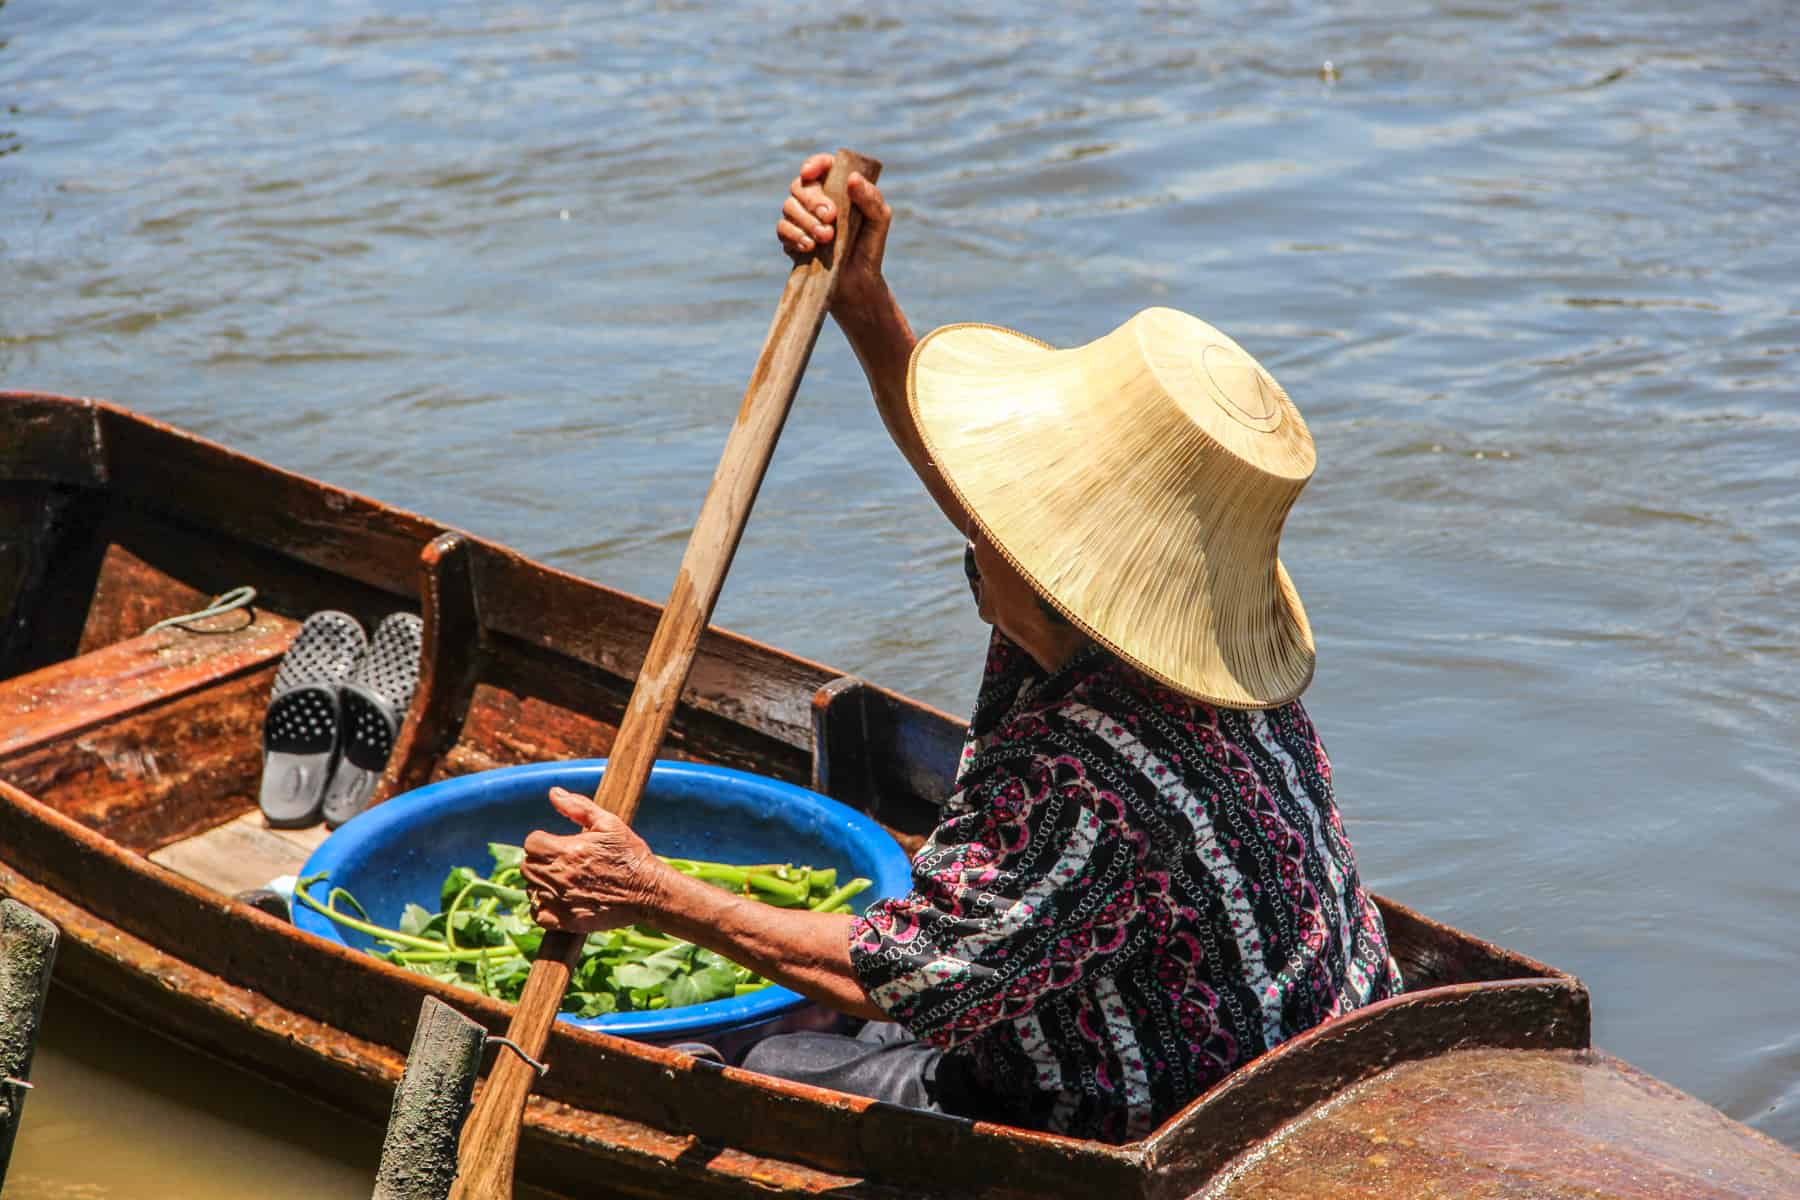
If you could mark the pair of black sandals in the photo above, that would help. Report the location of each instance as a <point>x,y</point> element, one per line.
<point>334,714</point>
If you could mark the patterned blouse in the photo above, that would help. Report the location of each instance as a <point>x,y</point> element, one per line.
<point>1132,893</point>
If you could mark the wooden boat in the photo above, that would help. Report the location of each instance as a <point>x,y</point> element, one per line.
<point>129,764</point>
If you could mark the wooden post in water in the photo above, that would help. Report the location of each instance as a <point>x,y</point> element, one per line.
<point>27,952</point>
<point>418,1156</point>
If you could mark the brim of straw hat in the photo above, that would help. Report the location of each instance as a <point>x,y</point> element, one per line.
<point>1144,506</point>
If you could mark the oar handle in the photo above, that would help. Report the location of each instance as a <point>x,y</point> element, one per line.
<point>491,1136</point>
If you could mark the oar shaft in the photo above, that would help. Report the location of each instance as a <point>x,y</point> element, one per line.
<point>490,1138</point>
<point>714,541</point>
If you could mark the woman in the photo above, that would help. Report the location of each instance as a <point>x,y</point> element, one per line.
<point>1141,882</point>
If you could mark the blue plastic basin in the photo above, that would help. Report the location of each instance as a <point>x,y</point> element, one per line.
<point>399,852</point>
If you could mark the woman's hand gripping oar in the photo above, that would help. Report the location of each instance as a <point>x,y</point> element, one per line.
<point>490,1138</point>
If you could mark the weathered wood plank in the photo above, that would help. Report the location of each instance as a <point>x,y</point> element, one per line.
<point>1254,1102</point>
<point>1432,954</point>
<point>27,524</point>
<point>52,439</point>
<point>162,470</point>
<point>103,685</point>
<point>160,774</point>
<point>154,565</point>
<point>129,595</point>
<point>49,560</point>
<point>452,649</point>
<point>241,854</point>
<point>1551,1125</point>
<point>536,707</point>
<point>732,677</point>
<point>880,753</point>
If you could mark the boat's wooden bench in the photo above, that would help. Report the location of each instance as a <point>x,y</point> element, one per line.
<point>161,712</point>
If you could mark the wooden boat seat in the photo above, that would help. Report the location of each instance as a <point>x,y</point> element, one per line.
<point>149,739</point>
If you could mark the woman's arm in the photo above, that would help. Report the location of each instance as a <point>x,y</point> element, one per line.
<point>806,951</point>
<point>606,876</point>
<point>866,310</point>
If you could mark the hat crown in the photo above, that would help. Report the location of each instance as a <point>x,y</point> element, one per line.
<point>1139,483</point>
<point>1239,386</point>
<point>1208,375</point>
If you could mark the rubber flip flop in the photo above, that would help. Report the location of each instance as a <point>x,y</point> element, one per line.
<point>300,731</point>
<point>374,703</point>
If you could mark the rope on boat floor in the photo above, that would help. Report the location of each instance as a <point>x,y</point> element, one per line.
<point>542,1068</point>
<point>238,598</point>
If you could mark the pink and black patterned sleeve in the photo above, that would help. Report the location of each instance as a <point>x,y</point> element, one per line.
<point>1033,887</point>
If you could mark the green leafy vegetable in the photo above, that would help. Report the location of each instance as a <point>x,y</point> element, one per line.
<point>482,936</point>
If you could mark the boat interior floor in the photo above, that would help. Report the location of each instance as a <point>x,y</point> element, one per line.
<point>241,855</point>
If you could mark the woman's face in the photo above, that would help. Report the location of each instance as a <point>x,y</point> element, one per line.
<point>1003,597</point>
<point>1008,603</point>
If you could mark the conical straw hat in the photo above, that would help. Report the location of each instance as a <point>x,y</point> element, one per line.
<point>1139,483</point>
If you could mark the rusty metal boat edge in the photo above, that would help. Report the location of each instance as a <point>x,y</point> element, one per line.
<point>1479,1080</point>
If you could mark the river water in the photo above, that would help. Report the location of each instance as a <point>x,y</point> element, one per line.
<point>1529,271</point>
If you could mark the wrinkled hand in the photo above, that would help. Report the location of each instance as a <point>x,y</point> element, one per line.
<point>600,878</point>
<point>807,221</point>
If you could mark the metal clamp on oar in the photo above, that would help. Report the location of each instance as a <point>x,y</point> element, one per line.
<point>541,1067</point>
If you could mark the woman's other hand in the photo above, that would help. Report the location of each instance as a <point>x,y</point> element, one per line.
<point>601,878</point>
<point>808,220</point>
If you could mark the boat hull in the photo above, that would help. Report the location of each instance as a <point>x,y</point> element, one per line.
<point>117,746</point>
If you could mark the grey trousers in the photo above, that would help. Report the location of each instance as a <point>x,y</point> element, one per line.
<point>883,1062</point>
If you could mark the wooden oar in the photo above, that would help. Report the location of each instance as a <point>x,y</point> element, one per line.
<point>490,1140</point>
